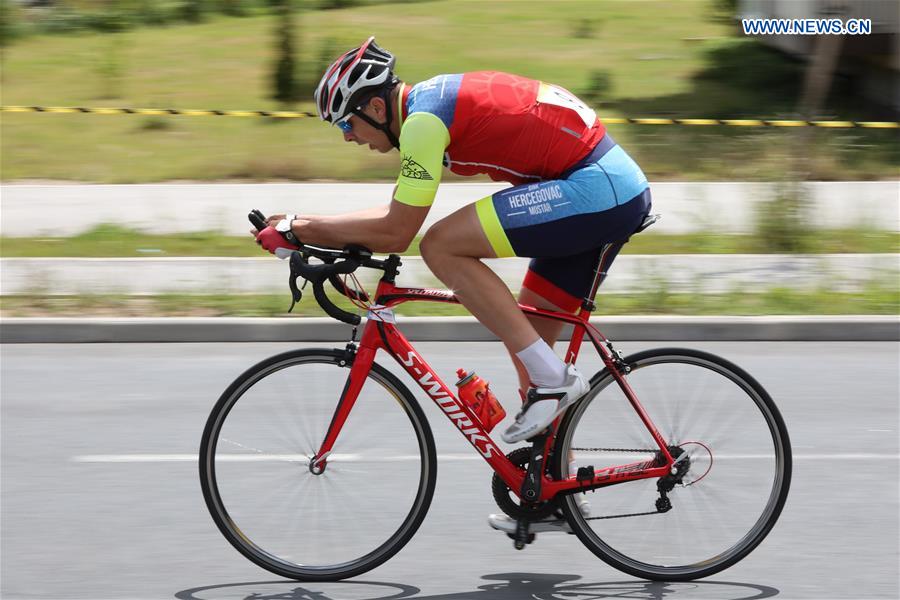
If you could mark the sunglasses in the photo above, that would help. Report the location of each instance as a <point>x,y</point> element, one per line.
<point>344,125</point>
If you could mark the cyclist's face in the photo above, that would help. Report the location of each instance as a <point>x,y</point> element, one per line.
<point>357,130</point>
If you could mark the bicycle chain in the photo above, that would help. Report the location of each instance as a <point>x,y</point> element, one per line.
<point>614,450</point>
<point>640,514</point>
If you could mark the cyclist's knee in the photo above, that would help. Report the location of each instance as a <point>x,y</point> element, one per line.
<point>437,242</point>
<point>457,235</point>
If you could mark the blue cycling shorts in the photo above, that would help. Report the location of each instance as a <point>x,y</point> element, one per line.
<point>563,224</point>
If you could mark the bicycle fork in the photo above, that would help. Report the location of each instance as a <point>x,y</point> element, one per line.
<point>360,362</point>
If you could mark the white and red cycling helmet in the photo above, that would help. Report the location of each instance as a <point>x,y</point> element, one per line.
<point>353,78</point>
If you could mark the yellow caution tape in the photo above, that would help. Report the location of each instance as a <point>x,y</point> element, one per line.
<point>285,114</point>
<point>698,122</point>
<point>834,123</point>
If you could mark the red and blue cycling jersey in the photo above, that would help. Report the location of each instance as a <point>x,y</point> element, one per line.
<point>574,189</point>
<point>508,127</point>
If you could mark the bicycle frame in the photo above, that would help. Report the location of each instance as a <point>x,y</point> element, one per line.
<point>380,333</point>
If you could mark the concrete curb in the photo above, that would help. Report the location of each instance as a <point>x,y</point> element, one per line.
<point>299,329</point>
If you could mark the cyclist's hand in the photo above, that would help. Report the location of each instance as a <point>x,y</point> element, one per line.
<point>273,220</point>
<point>271,239</point>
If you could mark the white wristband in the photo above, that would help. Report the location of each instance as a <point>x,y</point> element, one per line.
<point>285,224</point>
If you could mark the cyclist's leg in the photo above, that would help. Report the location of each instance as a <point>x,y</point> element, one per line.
<point>562,281</point>
<point>559,219</point>
<point>557,284</point>
<point>452,248</point>
<point>547,329</point>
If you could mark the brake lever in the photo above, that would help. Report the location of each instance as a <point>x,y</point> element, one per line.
<point>296,293</point>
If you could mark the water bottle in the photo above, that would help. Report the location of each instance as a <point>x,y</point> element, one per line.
<point>477,395</point>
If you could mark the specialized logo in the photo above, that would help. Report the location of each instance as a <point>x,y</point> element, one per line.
<point>449,405</point>
<point>413,170</point>
<point>431,292</point>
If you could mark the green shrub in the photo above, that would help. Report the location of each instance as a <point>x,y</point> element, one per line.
<point>156,124</point>
<point>599,88</point>
<point>108,21</point>
<point>150,12</point>
<point>10,22</point>
<point>336,4</point>
<point>585,28</point>
<point>194,11</point>
<point>62,20</point>
<point>235,8</point>
<point>782,222</point>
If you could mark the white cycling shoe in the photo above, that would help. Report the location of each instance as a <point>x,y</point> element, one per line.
<point>507,524</point>
<point>542,405</point>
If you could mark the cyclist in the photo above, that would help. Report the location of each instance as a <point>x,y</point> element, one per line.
<point>573,190</point>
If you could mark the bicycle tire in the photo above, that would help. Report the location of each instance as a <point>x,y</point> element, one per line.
<point>301,570</point>
<point>774,502</point>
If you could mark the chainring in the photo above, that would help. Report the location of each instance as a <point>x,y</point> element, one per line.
<point>509,502</point>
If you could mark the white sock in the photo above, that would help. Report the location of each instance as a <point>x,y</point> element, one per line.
<point>545,368</point>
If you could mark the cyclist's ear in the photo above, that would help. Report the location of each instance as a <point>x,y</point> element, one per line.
<point>378,108</point>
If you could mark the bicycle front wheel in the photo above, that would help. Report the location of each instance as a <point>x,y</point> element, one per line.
<point>259,488</point>
<point>733,465</point>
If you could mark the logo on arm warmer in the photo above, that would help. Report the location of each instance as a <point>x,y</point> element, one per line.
<point>413,170</point>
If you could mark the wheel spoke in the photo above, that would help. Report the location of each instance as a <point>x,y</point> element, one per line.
<point>690,397</point>
<point>293,522</point>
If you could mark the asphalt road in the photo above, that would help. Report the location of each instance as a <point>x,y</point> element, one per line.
<point>77,528</point>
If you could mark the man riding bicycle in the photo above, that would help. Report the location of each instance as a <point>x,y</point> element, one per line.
<point>573,190</point>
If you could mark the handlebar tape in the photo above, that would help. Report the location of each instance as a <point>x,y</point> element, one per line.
<point>257,219</point>
<point>333,311</point>
<point>317,275</point>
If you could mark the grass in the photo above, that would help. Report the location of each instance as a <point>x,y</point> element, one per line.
<point>876,300</point>
<point>659,57</point>
<point>116,241</point>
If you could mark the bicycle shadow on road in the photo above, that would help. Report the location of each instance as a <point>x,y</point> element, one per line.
<point>509,586</point>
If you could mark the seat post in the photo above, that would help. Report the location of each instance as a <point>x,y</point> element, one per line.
<point>607,254</point>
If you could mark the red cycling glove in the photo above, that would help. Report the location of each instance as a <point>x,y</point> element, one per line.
<point>271,238</point>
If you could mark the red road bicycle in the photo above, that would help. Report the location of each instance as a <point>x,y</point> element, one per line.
<point>319,464</point>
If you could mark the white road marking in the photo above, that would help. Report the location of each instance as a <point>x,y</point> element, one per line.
<point>158,458</point>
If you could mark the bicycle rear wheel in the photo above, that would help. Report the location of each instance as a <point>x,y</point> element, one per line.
<point>254,467</point>
<point>731,485</point>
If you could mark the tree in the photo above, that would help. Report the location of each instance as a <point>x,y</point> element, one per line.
<point>194,11</point>
<point>284,75</point>
<point>9,26</point>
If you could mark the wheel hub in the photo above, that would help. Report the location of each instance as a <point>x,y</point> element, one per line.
<point>317,464</point>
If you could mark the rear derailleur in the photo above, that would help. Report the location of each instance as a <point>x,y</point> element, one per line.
<point>675,477</point>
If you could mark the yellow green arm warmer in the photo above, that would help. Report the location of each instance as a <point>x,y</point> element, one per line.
<point>423,139</point>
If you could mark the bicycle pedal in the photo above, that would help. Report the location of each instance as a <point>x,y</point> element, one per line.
<point>530,539</point>
<point>522,537</point>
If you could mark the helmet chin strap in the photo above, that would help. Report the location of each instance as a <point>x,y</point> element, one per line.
<point>386,126</point>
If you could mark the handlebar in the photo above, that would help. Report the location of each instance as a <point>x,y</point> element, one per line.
<point>334,263</point>
<point>317,274</point>
<point>257,219</point>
